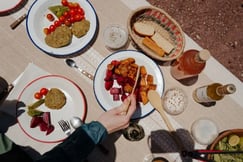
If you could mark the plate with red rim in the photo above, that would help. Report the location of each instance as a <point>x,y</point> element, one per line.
<point>103,96</point>
<point>37,21</point>
<point>75,106</point>
<point>9,6</point>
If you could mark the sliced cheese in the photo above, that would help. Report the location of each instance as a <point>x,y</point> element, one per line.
<point>153,46</point>
<point>162,42</point>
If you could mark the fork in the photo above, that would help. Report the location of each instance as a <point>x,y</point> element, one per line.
<point>65,127</point>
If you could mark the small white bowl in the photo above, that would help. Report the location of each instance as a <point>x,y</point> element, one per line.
<point>174,101</point>
<point>115,36</point>
<point>204,131</point>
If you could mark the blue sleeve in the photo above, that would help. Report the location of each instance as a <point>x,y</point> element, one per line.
<point>78,145</point>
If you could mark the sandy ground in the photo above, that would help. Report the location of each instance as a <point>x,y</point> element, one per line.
<point>216,25</point>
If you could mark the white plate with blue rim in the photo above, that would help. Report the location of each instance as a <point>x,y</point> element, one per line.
<point>104,97</point>
<point>37,21</point>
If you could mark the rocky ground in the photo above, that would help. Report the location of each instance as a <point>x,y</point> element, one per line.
<point>216,25</point>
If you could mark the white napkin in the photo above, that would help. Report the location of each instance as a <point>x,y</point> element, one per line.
<point>30,73</point>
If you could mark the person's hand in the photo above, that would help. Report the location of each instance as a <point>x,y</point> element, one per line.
<point>118,118</point>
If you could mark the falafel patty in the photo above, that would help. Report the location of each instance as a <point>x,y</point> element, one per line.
<point>62,36</point>
<point>55,99</point>
<point>80,28</point>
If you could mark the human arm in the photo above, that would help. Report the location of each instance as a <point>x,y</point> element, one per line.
<point>80,143</point>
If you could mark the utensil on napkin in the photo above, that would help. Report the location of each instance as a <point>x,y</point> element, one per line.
<point>72,63</point>
<point>18,21</point>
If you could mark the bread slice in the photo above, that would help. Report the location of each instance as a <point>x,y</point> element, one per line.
<point>153,46</point>
<point>162,42</point>
<point>143,29</point>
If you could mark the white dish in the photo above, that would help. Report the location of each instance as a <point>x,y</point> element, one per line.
<point>36,22</point>
<point>103,96</point>
<point>115,36</point>
<point>6,6</point>
<point>204,131</point>
<point>75,106</point>
<point>174,101</point>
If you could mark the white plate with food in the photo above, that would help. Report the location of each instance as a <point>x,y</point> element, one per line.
<point>37,21</point>
<point>103,96</point>
<point>75,105</point>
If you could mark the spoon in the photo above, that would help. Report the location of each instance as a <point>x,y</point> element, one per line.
<point>73,64</point>
<point>155,101</point>
<point>76,122</point>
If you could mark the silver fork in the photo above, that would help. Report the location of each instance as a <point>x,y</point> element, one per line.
<point>65,127</point>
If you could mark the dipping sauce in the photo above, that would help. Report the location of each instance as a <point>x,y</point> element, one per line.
<point>174,101</point>
<point>115,36</point>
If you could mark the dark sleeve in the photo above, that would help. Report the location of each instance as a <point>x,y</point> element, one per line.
<point>78,145</point>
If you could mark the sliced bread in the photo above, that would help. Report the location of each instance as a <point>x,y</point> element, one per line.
<point>143,29</point>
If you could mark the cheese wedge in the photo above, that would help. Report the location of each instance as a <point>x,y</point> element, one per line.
<point>162,42</point>
<point>153,46</point>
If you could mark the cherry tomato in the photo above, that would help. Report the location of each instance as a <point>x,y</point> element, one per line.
<point>50,17</point>
<point>38,95</point>
<point>57,23</point>
<point>80,11</point>
<point>78,17</point>
<point>46,31</point>
<point>64,2</point>
<point>68,22</point>
<point>72,12</point>
<point>62,19</point>
<point>51,28</point>
<point>72,19</point>
<point>66,14</point>
<point>43,91</point>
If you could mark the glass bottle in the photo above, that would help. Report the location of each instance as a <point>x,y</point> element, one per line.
<point>213,92</point>
<point>190,64</point>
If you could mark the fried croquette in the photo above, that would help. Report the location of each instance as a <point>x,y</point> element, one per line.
<point>55,99</point>
<point>80,28</point>
<point>62,36</point>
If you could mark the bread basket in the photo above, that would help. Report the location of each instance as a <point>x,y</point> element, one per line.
<point>164,24</point>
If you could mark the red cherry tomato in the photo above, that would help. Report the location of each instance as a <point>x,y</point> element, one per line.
<point>50,17</point>
<point>80,11</point>
<point>38,95</point>
<point>46,31</point>
<point>44,91</point>
<point>68,22</point>
<point>62,19</point>
<point>64,2</point>
<point>57,23</point>
<point>66,14</point>
<point>78,17</point>
<point>51,28</point>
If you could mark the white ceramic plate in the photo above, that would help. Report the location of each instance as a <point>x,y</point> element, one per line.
<point>9,5</point>
<point>75,106</point>
<point>37,21</point>
<point>103,96</point>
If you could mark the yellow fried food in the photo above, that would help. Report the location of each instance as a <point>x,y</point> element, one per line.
<point>80,28</point>
<point>62,36</point>
<point>55,99</point>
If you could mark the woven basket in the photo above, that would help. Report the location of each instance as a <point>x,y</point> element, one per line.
<point>164,24</point>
